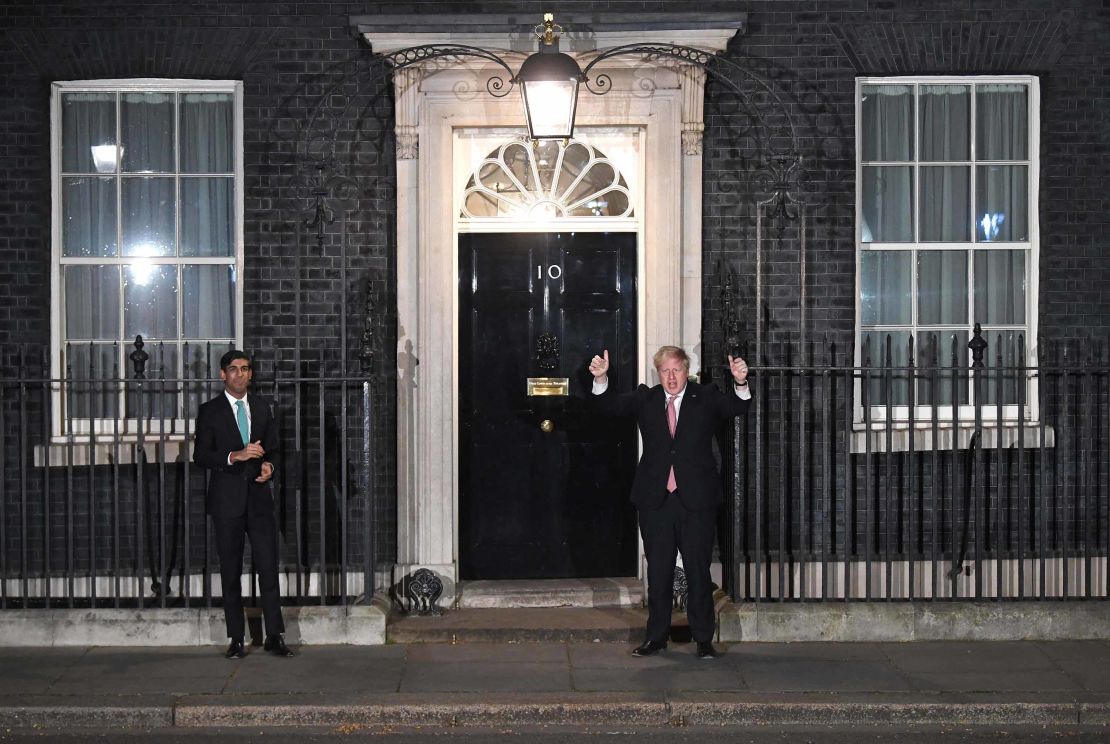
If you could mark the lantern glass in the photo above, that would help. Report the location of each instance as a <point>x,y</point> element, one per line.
<point>550,106</point>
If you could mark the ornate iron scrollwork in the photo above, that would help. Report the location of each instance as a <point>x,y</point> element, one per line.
<point>424,589</point>
<point>978,345</point>
<point>730,320</point>
<point>781,176</point>
<point>681,590</point>
<point>496,86</point>
<point>547,351</point>
<point>139,358</point>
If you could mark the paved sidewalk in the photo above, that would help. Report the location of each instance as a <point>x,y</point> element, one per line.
<point>1063,682</point>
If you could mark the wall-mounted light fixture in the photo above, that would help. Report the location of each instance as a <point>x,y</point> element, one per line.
<point>549,86</point>
<point>106,157</point>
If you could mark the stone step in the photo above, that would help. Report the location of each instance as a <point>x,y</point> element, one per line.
<point>528,625</point>
<point>619,592</point>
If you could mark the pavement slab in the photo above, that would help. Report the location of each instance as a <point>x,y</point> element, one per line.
<point>514,684</point>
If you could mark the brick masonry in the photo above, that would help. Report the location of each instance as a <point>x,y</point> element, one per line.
<point>311,94</point>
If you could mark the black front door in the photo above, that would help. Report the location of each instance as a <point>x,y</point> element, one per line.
<point>544,480</point>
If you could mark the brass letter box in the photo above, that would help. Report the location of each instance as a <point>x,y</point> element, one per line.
<point>549,386</point>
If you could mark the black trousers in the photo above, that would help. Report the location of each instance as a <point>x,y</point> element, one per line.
<point>262,531</point>
<point>667,530</point>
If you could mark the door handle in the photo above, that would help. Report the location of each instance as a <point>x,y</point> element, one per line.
<point>547,426</point>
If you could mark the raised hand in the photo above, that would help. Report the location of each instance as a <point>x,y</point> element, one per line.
<point>739,369</point>
<point>599,366</point>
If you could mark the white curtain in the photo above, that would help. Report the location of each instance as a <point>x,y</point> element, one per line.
<point>887,136</point>
<point>885,288</point>
<point>146,132</point>
<point>941,287</point>
<point>209,302</point>
<point>206,133</point>
<point>1000,287</point>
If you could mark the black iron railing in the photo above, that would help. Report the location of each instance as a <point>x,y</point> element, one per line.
<point>903,474</point>
<point>916,474</point>
<point>100,504</point>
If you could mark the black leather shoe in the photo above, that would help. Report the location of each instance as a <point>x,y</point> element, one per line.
<point>235,650</point>
<point>275,644</point>
<point>706,650</point>
<point>649,648</point>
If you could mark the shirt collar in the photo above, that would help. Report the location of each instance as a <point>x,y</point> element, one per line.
<point>677,396</point>
<point>233,400</point>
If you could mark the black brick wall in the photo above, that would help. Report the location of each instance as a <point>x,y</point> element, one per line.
<point>293,56</point>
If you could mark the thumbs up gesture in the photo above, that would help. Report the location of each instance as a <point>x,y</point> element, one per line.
<point>599,366</point>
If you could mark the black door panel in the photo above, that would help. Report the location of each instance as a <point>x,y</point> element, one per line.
<point>535,503</point>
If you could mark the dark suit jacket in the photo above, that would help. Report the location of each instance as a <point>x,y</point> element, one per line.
<point>691,450</point>
<point>232,487</point>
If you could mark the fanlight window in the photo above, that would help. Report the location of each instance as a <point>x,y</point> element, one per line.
<point>551,179</point>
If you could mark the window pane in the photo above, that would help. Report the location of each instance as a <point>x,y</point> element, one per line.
<point>886,126</point>
<point>148,217</point>
<point>209,301</point>
<point>1001,357</point>
<point>97,362</point>
<point>157,399</point>
<point>612,203</point>
<point>1002,122</point>
<point>207,126</point>
<point>1002,202</point>
<point>945,122</point>
<point>207,216</point>
<point>885,287</point>
<point>88,122</point>
<point>575,159</point>
<point>887,207</point>
<point>547,155</point>
<point>146,127</point>
<point>875,345</point>
<point>89,217</point>
<point>1000,287</point>
<point>942,287</point>
<point>150,301</point>
<point>92,302</point>
<point>600,176</point>
<point>936,376</point>
<point>945,203</point>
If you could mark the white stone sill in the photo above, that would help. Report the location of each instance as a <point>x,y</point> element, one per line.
<point>922,436</point>
<point>64,451</point>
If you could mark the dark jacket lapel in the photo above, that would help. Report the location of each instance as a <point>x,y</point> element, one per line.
<point>257,418</point>
<point>690,403</point>
<point>658,403</point>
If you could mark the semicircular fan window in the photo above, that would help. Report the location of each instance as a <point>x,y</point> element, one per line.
<point>548,180</point>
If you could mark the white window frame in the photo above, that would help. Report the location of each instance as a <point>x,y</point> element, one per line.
<point>128,427</point>
<point>899,414</point>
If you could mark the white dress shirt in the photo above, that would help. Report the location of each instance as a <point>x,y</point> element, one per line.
<point>233,401</point>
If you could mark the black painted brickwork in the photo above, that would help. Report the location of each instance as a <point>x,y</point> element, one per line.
<point>288,54</point>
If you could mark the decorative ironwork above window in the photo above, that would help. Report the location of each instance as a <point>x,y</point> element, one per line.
<point>550,179</point>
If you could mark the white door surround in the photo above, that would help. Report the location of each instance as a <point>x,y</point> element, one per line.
<point>662,99</point>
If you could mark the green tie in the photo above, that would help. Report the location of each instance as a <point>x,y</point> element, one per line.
<point>241,418</point>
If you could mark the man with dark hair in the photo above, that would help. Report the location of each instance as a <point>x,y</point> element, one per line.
<point>237,440</point>
<point>677,488</point>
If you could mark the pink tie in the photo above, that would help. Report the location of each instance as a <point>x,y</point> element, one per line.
<point>672,424</point>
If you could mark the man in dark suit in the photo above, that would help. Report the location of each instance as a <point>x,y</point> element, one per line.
<point>677,487</point>
<point>237,440</point>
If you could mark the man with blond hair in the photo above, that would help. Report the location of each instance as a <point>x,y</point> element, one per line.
<point>677,488</point>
